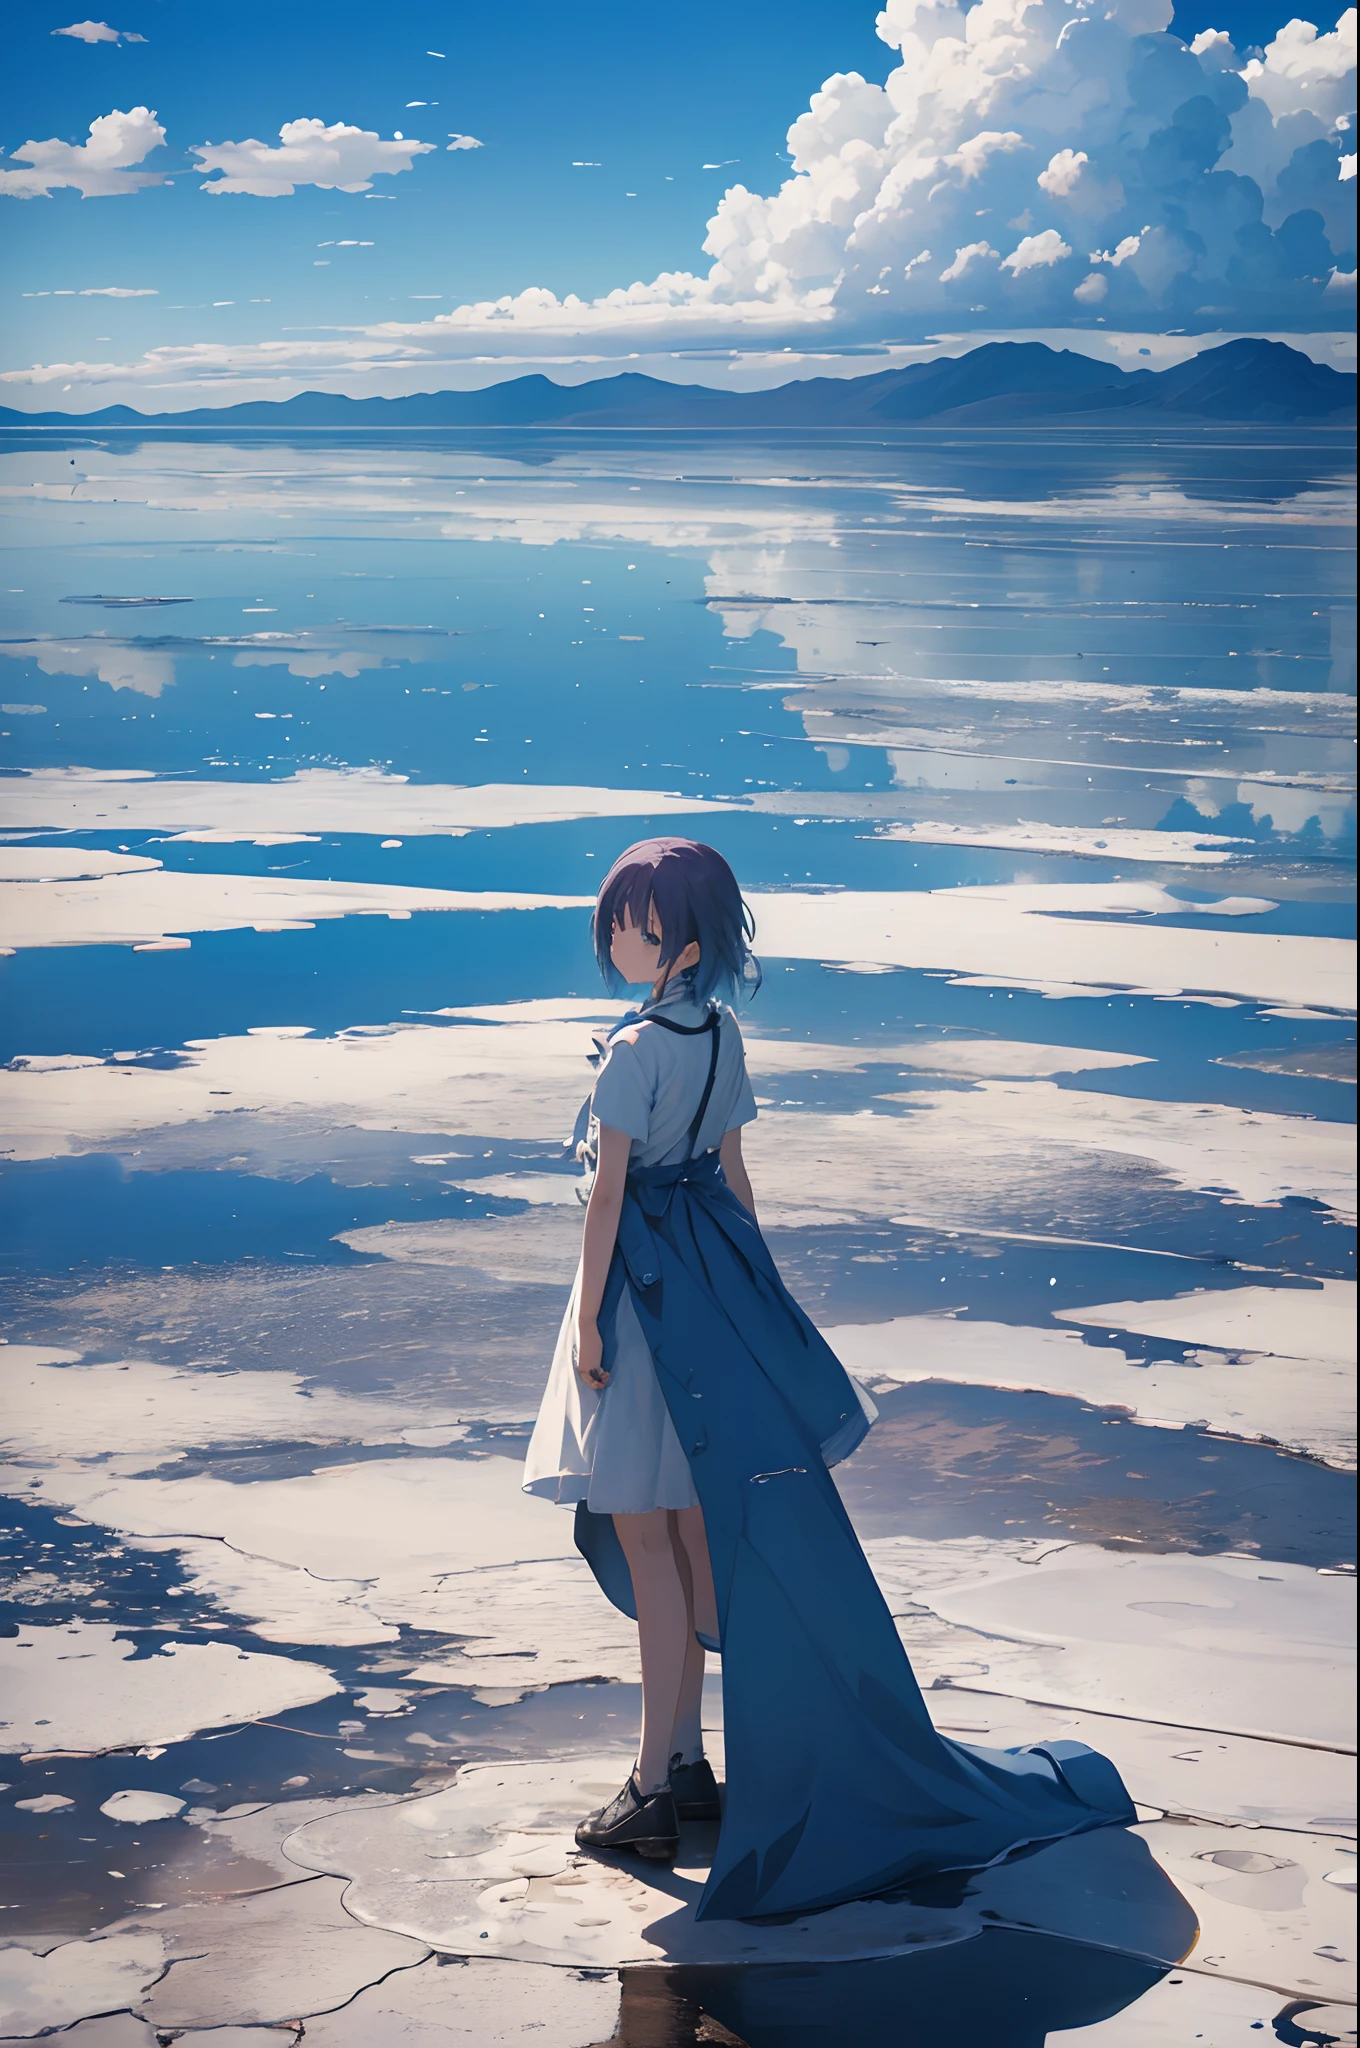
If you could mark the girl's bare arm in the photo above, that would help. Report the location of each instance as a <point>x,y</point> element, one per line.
<point>734,1166</point>
<point>597,1249</point>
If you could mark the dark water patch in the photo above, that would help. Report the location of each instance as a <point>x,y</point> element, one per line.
<point>56,1568</point>
<point>1004,1988</point>
<point>1128,1245</point>
<point>75,1870</point>
<point>949,1461</point>
<point>470,692</point>
<point>1237,1084</point>
<point>120,603</point>
<point>421,1333</point>
<point>246,1466</point>
<point>875,1273</point>
<point>1300,919</point>
<point>1319,1062</point>
<point>805,999</point>
<point>63,1214</point>
<point>98,999</point>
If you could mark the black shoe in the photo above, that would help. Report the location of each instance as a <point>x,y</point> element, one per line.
<point>647,1826</point>
<point>695,1789</point>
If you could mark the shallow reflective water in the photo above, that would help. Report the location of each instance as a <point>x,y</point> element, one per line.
<point>1104,685</point>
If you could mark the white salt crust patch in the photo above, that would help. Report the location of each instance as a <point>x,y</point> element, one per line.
<point>542,1246</point>
<point>523,1082</point>
<point>70,1980</point>
<point>147,909</point>
<point>144,1413</point>
<point>952,1150</point>
<point>137,1808</point>
<point>1011,933</point>
<point>1098,842</point>
<point>1305,1402</point>
<point>121,2030</point>
<point>77,1687</point>
<point>278,1955</point>
<point>488,1867</point>
<point>1191,2010</point>
<point>316,800</point>
<point>409,1520</point>
<point>68,863</point>
<point>1238,1645</point>
<point>1290,1322</point>
<point>565,1189</point>
<point>479,2003</point>
<point>1266,1911</point>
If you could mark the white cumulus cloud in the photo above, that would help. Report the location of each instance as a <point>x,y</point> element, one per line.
<point>1131,177</point>
<point>339,158</point>
<point>971,252</point>
<point>1216,181</point>
<point>118,291</point>
<point>1037,252</point>
<point>1302,71</point>
<point>1063,174</point>
<point>98,32</point>
<point>97,169</point>
<point>464,142</point>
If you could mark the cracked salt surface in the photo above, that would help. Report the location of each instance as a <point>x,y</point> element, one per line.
<point>1233,1644</point>
<point>490,1867</point>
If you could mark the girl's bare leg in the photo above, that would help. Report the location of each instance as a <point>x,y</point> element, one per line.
<point>689,1524</point>
<point>664,1633</point>
<point>687,1739</point>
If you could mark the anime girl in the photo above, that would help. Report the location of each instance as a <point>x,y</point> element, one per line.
<point>692,1415</point>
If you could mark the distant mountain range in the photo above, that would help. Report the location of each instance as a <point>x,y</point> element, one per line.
<point>1002,384</point>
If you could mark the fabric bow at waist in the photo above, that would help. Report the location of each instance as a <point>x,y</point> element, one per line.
<point>651,1186</point>
<point>648,1194</point>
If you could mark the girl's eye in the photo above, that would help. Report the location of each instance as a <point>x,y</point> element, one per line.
<point>652,938</point>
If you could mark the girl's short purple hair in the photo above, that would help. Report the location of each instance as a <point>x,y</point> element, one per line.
<point>695,896</point>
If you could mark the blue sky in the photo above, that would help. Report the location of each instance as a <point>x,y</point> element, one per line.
<point>595,127</point>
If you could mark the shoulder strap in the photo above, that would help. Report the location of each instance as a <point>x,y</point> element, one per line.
<point>713,1026</point>
<point>714,1029</point>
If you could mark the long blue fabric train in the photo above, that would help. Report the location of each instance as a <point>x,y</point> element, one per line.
<point>838,1785</point>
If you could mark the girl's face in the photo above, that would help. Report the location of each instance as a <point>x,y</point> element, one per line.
<point>636,950</point>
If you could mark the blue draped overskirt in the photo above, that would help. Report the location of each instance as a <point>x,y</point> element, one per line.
<point>838,1785</point>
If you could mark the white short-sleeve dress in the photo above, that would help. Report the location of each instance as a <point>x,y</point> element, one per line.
<point>617,1449</point>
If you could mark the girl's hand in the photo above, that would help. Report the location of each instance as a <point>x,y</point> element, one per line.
<point>590,1354</point>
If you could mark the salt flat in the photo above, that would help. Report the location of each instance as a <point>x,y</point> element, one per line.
<point>1039,783</point>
